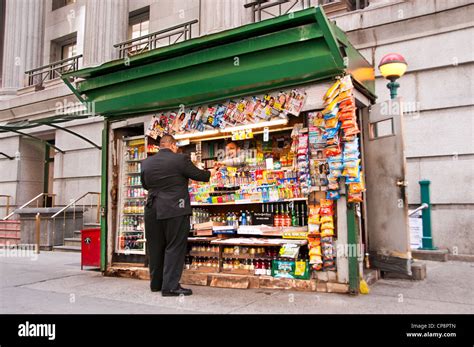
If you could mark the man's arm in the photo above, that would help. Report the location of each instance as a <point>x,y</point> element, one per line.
<point>192,172</point>
<point>142,178</point>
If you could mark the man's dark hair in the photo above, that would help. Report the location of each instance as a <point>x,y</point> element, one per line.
<point>167,140</point>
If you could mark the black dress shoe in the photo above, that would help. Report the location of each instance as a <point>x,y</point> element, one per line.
<point>177,292</point>
<point>155,289</point>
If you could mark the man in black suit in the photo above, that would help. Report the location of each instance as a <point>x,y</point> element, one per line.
<point>165,175</point>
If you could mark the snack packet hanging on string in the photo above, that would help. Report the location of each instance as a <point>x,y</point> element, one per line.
<point>351,156</point>
<point>329,108</point>
<point>327,225</point>
<point>326,219</point>
<point>332,91</point>
<point>356,197</point>
<point>332,194</point>
<point>332,151</point>
<point>351,147</point>
<point>327,232</point>
<point>346,83</point>
<point>331,123</point>
<point>351,172</point>
<point>351,163</point>
<point>336,165</point>
<point>335,158</point>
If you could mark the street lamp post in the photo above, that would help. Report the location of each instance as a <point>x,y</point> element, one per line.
<point>392,67</point>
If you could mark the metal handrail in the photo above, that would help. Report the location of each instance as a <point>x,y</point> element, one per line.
<point>29,202</point>
<point>73,202</point>
<point>53,70</point>
<point>421,207</point>
<point>8,202</point>
<point>148,42</point>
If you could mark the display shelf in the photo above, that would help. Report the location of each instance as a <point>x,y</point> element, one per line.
<point>136,198</point>
<point>238,272</point>
<point>257,242</point>
<point>133,173</point>
<point>204,254</point>
<point>245,202</point>
<point>205,269</point>
<point>133,186</point>
<point>201,239</point>
<point>133,214</point>
<point>130,251</point>
<point>134,160</point>
<point>245,256</point>
<point>132,231</point>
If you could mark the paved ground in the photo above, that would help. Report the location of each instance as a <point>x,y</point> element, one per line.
<point>54,283</point>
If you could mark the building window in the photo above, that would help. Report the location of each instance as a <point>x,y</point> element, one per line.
<point>138,25</point>
<point>63,47</point>
<point>61,3</point>
<point>68,50</point>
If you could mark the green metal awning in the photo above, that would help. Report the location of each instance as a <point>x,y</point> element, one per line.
<point>293,49</point>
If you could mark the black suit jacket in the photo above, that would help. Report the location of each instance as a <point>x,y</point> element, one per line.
<point>166,176</point>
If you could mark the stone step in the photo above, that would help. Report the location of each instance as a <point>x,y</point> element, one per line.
<point>76,249</point>
<point>72,241</point>
<point>77,233</point>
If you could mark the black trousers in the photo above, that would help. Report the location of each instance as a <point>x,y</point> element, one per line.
<point>166,241</point>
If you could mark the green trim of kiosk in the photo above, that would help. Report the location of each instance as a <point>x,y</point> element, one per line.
<point>103,197</point>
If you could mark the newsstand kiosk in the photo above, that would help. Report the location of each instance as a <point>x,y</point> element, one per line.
<point>284,103</point>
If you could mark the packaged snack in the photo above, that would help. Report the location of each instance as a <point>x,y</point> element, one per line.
<point>346,83</point>
<point>351,172</point>
<point>332,91</point>
<point>349,123</point>
<point>325,203</point>
<point>351,147</point>
<point>335,158</point>
<point>335,173</point>
<point>333,185</point>
<point>332,151</point>
<point>332,194</point>
<point>333,114</point>
<point>327,232</point>
<point>353,179</point>
<point>327,225</point>
<point>336,165</point>
<point>331,123</point>
<point>315,251</point>
<point>331,132</point>
<point>326,219</point>
<point>351,156</point>
<point>356,197</point>
<point>326,211</point>
<point>329,108</point>
<point>352,163</point>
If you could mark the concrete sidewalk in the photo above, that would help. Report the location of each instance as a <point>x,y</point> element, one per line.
<point>54,283</point>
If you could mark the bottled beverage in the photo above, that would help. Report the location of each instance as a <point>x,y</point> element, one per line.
<point>276,217</point>
<point>243,218</point>
<point>303,217</point>
<point>294,220</point>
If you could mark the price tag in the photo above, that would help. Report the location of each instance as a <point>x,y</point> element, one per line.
<point>266,134</point>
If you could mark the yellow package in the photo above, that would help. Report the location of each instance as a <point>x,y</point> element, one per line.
<point>327,232</point>
<point>326,203</point>
<point>327,225</point>
<point>325,219</point>
<point>351,172</point>
<point>315,251</point>
<point>332,91</point>
<point>330,107</point>
<point>300,268</point>
<point>331,123</point>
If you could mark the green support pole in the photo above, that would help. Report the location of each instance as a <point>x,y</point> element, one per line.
<point>427,240</point>
<point>103,198</point>
<point>352,243</point>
